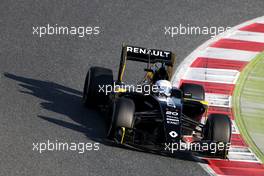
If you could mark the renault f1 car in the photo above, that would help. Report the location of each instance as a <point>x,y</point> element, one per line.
<point>168,115</point>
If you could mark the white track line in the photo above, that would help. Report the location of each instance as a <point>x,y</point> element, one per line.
<point>242,154</point>
<point>246,36</point>
<point>246,157</point>
<point>239,149</point>
<point>212,75</point>
<point>228,54</point>
<point>219,100</point>
<point>261,21</point>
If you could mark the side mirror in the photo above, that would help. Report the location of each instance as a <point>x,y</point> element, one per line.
<point>177,93</point>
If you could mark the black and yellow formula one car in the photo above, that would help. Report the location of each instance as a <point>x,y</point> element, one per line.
<point>160,119</point>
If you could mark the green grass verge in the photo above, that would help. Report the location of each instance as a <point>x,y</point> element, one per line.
<point>250,121</point>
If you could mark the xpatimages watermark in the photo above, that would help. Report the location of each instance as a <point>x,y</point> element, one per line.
<point>197,147</point>
<point>144,89</point>
<point>79,31</point>
<point>188,29</point>
<point>51,146</point>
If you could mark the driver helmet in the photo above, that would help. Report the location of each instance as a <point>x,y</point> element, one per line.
<point>163,87</point>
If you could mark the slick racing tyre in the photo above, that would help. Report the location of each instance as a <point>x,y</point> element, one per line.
<point>123,115</point>
<point>96,78</point>
<point>218,130</point>
<point>193,91</point>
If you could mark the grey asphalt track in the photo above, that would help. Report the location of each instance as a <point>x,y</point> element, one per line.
<point>42,78</point>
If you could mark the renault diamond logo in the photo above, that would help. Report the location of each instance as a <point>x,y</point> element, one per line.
<point>173,134</point>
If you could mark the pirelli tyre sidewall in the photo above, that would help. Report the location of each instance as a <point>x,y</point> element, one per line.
<point>122,116</point>
<point>218,129</point>
<point>96,77</point>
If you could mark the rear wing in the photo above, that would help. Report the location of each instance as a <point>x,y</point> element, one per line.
<point>146,55</point>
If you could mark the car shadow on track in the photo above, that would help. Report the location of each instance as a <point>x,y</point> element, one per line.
<point>67,101</point>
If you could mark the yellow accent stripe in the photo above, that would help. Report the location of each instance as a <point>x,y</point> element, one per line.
<point>205,102</point>
<point>124,66</point>
<point>123,134</point>
<point>201,101</point>
<point>120,90</point>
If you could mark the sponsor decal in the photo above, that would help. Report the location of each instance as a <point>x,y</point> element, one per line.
<point>172,117</point>
<point>173,134</point>
<point>145,51</point>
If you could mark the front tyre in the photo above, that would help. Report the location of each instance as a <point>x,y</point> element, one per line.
<point>123,116</point>
<point>218,130</point>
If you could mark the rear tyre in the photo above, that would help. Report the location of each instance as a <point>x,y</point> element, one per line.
<point>193,91</point>
<point>218,130</point>
<point>96,78</point>
<point>123,116</point>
